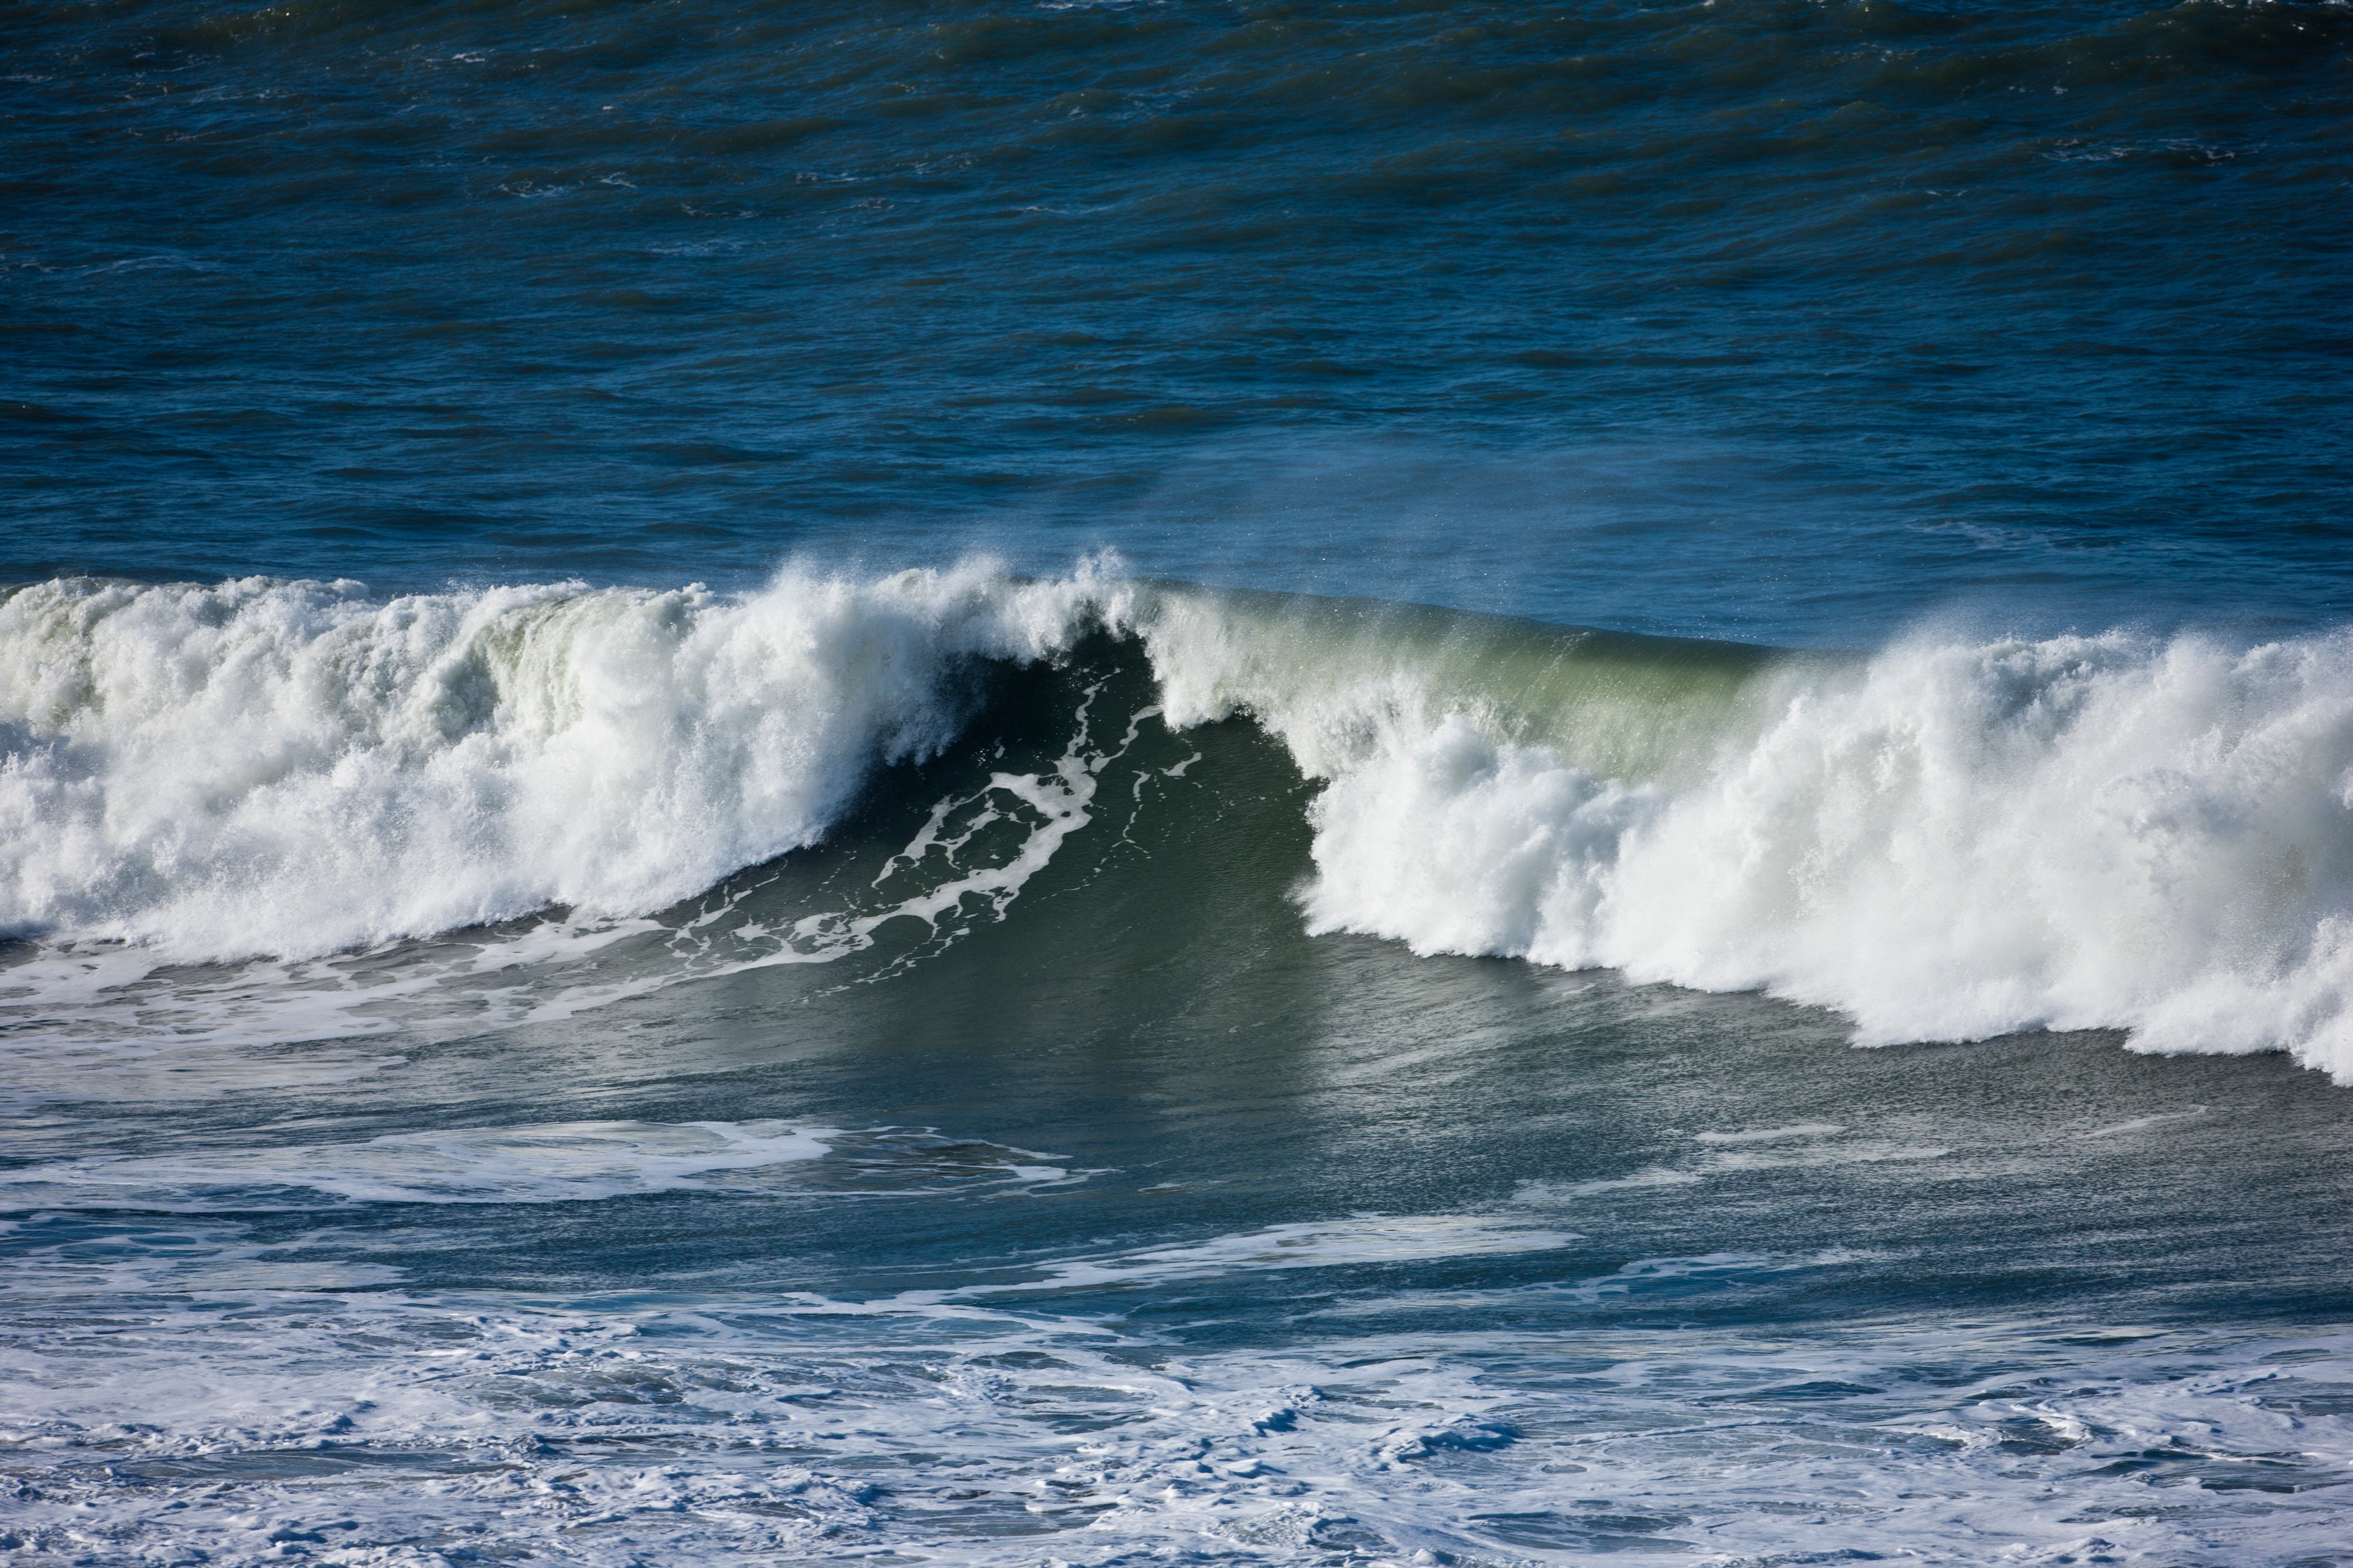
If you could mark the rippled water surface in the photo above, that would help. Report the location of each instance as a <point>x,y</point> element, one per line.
<point>2037,309</point>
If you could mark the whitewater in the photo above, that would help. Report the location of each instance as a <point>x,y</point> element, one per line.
<point>1945,839</point>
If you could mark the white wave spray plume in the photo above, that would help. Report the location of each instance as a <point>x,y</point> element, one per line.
<point>289,768</point>
<point>1944,842</point>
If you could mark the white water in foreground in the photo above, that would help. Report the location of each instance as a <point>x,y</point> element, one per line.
<point>1942,840</point>
<point>274,1409</point>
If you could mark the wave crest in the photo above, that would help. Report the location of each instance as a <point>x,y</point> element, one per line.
<point>290,768</point>
<point>1946,842</point>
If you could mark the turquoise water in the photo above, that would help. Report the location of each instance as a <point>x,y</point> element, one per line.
<point>1165,783</point>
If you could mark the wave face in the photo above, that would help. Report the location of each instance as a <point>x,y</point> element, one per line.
<point>1944,840</point>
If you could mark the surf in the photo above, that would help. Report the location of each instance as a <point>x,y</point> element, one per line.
<point>1943,839</point>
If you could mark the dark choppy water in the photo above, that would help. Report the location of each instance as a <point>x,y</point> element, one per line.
<point>507,1057</point>
<point>2035,308</point>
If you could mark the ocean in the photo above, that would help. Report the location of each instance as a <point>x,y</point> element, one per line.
<point>1057,785</point>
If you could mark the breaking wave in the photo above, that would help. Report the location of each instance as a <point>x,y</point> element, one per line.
<point>290,768</point>
<point>1943,839</point>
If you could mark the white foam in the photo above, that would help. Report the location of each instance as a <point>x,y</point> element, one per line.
<point>377,1425</point>
<point>2142,1123</point>
<point>1770,1134</point>
<point>81,985</point>
<point>1355,1242</point>
<point>1945,841</point>
<point>290,768</point>
<point>1814,1146</point>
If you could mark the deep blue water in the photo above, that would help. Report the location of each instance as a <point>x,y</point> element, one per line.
<point>784,783</point>
<point>1767,320</point>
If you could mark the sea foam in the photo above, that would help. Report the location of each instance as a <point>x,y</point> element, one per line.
<point>292,768</point>
<point>1944,840</point>
<point>363,1416</point>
